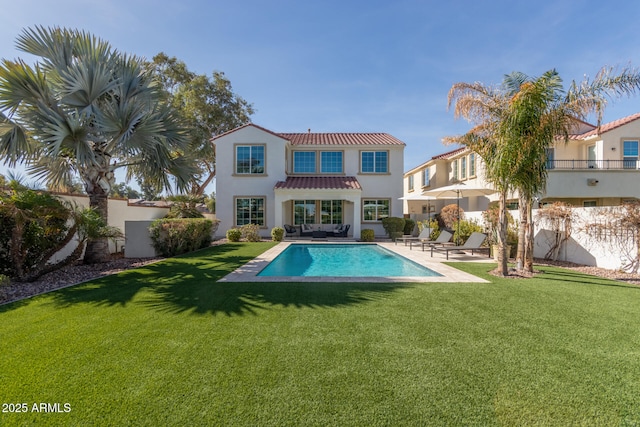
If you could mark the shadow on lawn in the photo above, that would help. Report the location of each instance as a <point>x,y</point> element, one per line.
<point>189,284</point>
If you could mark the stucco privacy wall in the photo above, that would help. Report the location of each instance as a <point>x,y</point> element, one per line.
<point>583,246</point>
<point>119,211</point>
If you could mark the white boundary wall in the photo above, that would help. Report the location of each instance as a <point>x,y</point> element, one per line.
<point>119,211</point>
<point>582,247</point>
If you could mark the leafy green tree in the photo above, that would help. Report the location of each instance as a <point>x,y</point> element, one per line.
<point>124,191</point>
<point>209,107</point>
<point>87,109</point>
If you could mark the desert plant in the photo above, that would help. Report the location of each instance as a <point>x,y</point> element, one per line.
<point>394,226</point>
<point>277,234</point>
<point>234,234</point>
<point>250,232</point>
<point>490,220</point>
<point>464,229</point>
<point>367,235</point>
<point>173,236</point>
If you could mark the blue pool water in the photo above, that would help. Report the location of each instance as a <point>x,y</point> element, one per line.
<point>343,260</point>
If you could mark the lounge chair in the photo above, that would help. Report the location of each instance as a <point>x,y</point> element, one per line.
<point>423,236</point>
<point>472,244</point>
<point>443,239</point>
<point>343,232</point>
<point>290,230</point>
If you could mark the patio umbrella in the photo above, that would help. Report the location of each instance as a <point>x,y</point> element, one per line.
<point>457,191</point>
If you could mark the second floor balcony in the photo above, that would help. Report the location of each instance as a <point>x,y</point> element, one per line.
<point>593,164</point>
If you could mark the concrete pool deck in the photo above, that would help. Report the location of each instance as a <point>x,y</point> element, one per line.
<point>249,271</point>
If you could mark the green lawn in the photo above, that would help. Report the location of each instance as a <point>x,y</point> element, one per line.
<point>167,345</point>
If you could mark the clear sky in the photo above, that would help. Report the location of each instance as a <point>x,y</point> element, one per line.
<point>357,65</point>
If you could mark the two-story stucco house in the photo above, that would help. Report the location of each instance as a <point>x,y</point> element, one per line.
<point>319,179</point>
<point>597,167</point>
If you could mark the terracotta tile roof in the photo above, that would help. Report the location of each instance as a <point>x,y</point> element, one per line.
<point>319,183</point>
<point>449,153</point>
<point>244,126</point>
<point>341,139</point>
<point>609,126</point>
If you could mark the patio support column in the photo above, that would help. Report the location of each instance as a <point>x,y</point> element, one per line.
<point>277,208</point>
<point>357,219</point>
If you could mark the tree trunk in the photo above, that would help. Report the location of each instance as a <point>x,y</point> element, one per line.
<point>528,251</point>
<point>503,223</point>
<point>98,249</point>
<point>522,228</point>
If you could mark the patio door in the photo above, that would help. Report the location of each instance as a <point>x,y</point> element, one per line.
<point>591,157</point>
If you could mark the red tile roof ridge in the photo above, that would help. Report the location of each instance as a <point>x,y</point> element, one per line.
<point>244,126</point>
<point>607,127</point>
<point>341,138</point>
<point>319,183</point>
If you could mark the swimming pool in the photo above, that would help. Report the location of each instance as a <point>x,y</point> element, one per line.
<point>343,260</point>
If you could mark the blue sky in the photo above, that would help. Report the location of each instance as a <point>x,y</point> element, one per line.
<point>357,66</point>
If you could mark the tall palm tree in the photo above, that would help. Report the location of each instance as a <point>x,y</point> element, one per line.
<point>486,107</point>
<point>86,109</point>
<point>531,115</point>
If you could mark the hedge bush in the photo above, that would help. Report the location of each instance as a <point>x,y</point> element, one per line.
<point>409,225</point>
<point>277,234</point>
<point>234,234</point>
<point>251,232</point>
<point>394,226</point>
<point>174,236</point>
<point>367,235</point>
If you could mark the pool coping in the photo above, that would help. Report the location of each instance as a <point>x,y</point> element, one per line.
<point>249,271</point>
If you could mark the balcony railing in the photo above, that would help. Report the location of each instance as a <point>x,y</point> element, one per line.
<point>593,164</point>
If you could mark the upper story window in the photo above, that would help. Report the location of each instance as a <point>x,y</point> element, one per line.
<point>410,178</point>
<point>630,154</point>
<point>463,168</point>
<point>454,170</point>
<point>374,161</point>
<point>304,162</point>
<point>250,159</point>
<point>551,155</point>
<point>472,164</point>
<point>425,177</point>
<point>331,162</point>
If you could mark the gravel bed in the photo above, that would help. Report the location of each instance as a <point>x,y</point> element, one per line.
<point>79,273</point>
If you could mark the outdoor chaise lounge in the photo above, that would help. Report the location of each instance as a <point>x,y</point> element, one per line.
<point>472,244</point>
<point>442,239</point>
<point>423,236</point>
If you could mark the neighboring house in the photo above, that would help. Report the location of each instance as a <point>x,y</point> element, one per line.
<point>597,167</point>
<point>320,179</point>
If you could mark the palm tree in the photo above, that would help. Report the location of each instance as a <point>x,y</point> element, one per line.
<point>540,113</point>
<point>486,106</point>
<point>519,121</point>
<point>87,109</point>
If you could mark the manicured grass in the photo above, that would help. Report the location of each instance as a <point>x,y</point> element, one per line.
<point>167,345</point>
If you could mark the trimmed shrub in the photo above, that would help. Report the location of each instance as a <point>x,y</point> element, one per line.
<point>234,234</point>
<point>366,235</point>
<point>250,232</point>
<point>174,236</point>
<point>394,226</point>
<point>466,229</point>
<point>409,225</point>
<point>277,234</point>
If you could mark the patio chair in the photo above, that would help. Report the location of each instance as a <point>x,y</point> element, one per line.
<point>423,236</point>
<point>443,239</point>
<point>343,232</point>
<point>472,244</point>
<point>290,230</point>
